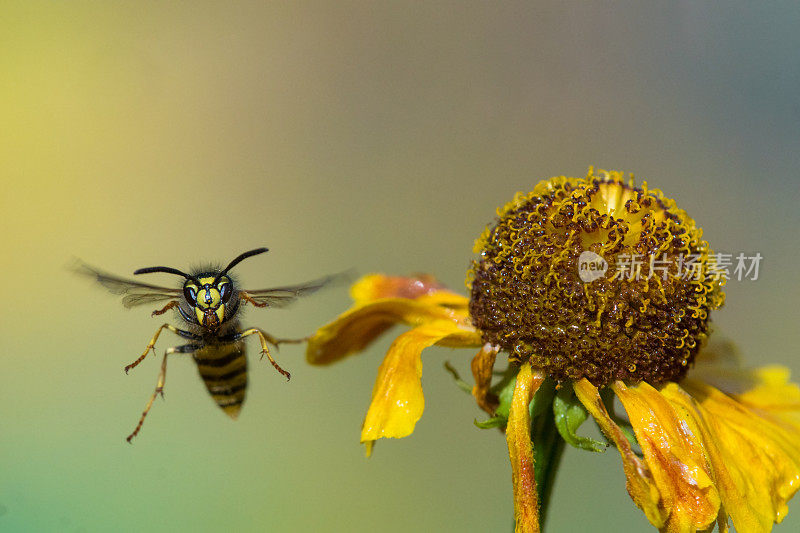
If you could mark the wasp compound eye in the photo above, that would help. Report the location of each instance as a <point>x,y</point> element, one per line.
<point>225,292</point>
<point>191,294</point>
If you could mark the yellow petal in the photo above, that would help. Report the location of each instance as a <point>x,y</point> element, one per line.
<point>482,366</point>
<point>379,286</point>
<point>640,483</point>
<point>397,400</point>
<point>761,402</point>
<point>520,451</point>
<point>755,453</point>
<point>773,391</point>
<point>748,517</point>
<point>673,449</point>
<point>355,329</point>
<point>767,387</point>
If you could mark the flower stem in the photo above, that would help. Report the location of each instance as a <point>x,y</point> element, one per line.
<point>548,447</point>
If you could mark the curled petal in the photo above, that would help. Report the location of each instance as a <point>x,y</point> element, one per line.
<point>382,301</point>
<point>723,444</point>
<point>640,483</point>
<point>397,400</point>
<point>354,330</point>
<point>482,366</point>
<point>673,449</point>
<point>520,451</point>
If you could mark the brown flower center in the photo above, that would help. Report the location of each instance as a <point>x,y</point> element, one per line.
<point>595,278</point>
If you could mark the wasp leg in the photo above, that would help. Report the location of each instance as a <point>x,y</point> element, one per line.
<point>265,338</point>
<point>173,303</point>
<point>162,376</point>
<point>278,342</point>
<point>247,299</point>
<point>151,345</point>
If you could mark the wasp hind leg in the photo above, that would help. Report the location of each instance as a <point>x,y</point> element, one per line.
<point>162,376</point>
<point>265,338</point>
<point>152,344</point>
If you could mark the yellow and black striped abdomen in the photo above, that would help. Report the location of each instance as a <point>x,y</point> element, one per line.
<point>223,368</point>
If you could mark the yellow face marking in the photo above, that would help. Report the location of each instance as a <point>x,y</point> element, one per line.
<point>209,309</point>
<point>210,318</point>
<point>208,297</point>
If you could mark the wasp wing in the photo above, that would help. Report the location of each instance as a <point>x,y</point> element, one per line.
<point>283,296</point>
<point>133,292</point>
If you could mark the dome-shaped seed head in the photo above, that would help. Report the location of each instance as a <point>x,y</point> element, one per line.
<point>536,296</point>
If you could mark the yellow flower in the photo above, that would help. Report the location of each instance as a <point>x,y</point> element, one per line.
<point>438,316</point>
<point>698,447</point>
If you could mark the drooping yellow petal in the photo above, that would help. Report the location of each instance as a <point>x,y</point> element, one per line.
<point>748,517</point>
<point>768,387</point>
<point>397,400</point>
<point>482,366</point>
<point>520,451</point>
<point>378,286</point>
<point>755,454</point>
<point>640,483</point>
<point>673,449</point>
<point>751,424</point>
<point>772,392</point>
<point>382,301</point>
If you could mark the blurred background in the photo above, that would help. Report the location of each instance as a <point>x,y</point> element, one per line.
<point>344,134</point>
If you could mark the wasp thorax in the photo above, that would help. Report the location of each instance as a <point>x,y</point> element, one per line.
<point>595,278</point>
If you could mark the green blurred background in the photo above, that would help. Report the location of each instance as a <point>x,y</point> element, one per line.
<point>343,134</point>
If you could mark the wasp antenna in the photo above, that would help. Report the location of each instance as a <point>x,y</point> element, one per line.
<point>238,260</point>
<point>166,270</point>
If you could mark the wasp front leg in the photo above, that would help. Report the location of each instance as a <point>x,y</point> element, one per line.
<point>162,377</point>
<point>170,305</point>
<point>152,344</point>
<point>265,338</point>
<point>249,300</point>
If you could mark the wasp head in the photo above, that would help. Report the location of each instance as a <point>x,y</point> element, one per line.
<point>208,298</point>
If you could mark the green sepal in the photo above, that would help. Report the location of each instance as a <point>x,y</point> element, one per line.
<point>543,398</point>
<point>569,415</point>
<point>504,391</point>
<point>494,422</point>
<point>460,383</point>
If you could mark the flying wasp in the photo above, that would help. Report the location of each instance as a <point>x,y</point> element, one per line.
<point>208,302</point>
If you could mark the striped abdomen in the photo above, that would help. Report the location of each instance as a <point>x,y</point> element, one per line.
<point>223,368</point>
